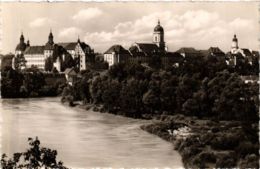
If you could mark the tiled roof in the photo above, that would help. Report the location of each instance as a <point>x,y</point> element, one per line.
<point>148,47</point>
<point>68,45</point>
<point>118,49</point>
<point>176,56</point>
<point>70,71</point>
<point>34,50</point>
<point>49,46</point>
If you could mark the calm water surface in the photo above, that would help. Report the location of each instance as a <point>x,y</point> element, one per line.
<point>83,139</point>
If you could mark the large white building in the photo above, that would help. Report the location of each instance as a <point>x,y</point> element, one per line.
<point>58,52</point>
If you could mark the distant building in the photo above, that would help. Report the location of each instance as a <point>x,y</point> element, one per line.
<point>240,55</point>
<point>70,75</point>
<point>213,52</point>
<point>116,54</point>
<point>187,52</point>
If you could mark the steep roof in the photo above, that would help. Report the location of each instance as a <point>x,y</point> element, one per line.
<point>216,51</point>
<point>212,51</point>
<point>247,52</point>
<point>187,50</point>
<point>21,47</point>
<point>34,50</point>
<point>118,49</point>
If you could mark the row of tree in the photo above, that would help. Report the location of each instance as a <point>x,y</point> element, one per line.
<point>203,88</point>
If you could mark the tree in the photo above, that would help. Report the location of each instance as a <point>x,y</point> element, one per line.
<point>19,62</point>
<point>48,66</point>
<point>111,95</point>
<point>131,97</point>
<point>35,157</point>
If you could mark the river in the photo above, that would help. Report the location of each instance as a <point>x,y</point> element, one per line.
<point>83,139</point>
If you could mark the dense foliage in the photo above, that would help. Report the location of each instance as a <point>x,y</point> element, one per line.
<point>199,87</point>
<point>29,83</point>
<point>35,157</point>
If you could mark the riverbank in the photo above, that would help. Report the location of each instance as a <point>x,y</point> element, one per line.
<point>207,143</point>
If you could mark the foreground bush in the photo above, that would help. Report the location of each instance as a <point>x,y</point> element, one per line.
<point>35,157</point>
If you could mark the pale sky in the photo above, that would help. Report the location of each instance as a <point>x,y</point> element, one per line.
<point>101,25</point>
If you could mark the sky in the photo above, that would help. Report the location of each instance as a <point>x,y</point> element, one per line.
<point>103,24</point>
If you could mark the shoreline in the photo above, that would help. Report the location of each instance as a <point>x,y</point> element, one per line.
<point>201,143</point>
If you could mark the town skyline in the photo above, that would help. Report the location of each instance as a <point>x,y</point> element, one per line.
<point>181,30</point>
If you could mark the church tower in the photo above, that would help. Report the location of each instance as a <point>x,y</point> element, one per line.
<point>234,45</point>
<point>158,36</point>
<point>20,48</point>
<point>49,46</point>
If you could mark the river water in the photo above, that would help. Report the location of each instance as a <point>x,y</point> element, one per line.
<point>83,139</point>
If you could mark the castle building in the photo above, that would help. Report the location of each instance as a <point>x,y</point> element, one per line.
<point>59,53</point>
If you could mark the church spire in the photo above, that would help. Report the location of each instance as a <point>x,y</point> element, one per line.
<point>50,40</point>
<point>28,43</point>
<point>158,21</point>
<point>78,39</point>
<point>22,38</point>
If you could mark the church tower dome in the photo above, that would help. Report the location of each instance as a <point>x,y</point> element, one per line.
<point>158,36</point>
<point>158,27</point>
<point>21,46</point>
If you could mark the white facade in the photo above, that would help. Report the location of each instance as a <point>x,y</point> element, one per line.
<point>110,58</point>
<point>37,60</point>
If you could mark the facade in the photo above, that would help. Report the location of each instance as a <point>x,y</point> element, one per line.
<point>116,54</point>
<point>79,51</point>
<point>34,55</point>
